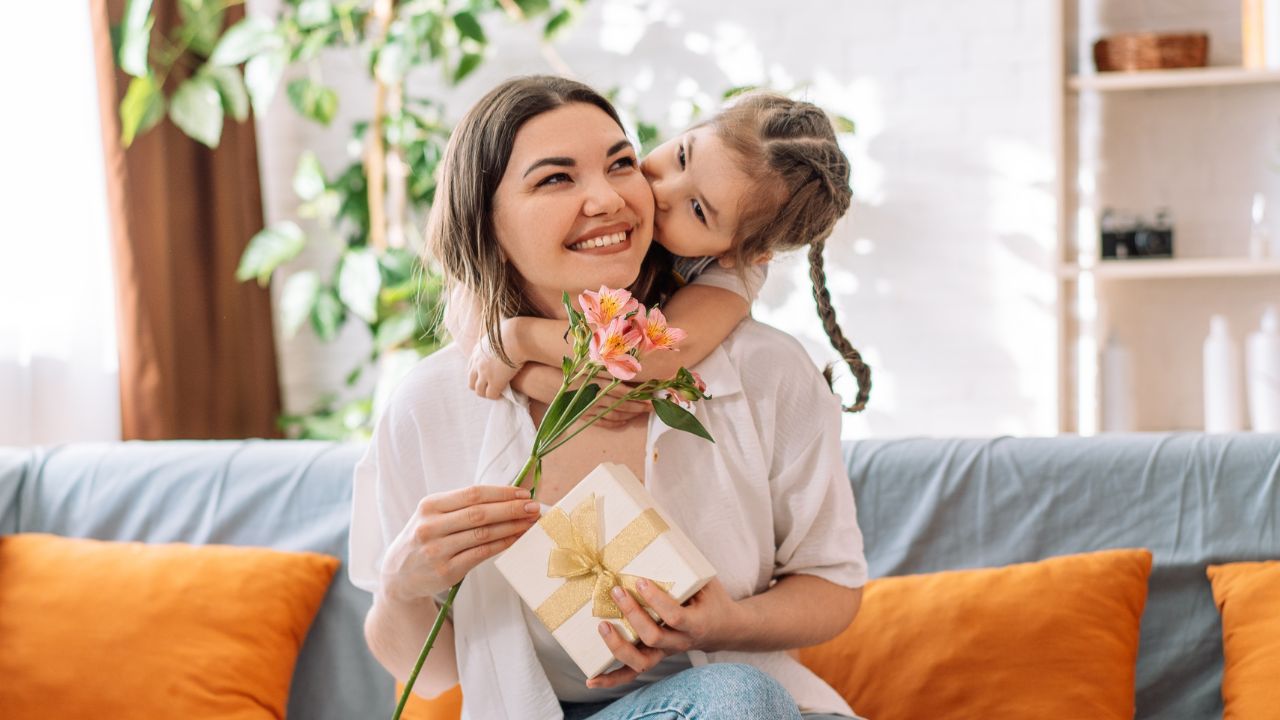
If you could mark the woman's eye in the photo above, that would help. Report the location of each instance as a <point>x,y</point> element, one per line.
<point>697,210</point>
<point>553,179</point>
<point>624,162</point>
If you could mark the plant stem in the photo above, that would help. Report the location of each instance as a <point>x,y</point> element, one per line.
<point>633,395</point>
<point>529,464</point>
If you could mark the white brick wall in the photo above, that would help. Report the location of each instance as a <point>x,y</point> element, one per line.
<point>942,272</point>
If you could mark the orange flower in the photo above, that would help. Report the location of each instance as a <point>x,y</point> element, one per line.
<point>602,307</point>
<point>612,347</point>
<point>655,334</point>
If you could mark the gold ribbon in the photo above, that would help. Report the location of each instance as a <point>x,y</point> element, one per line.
<point>591,571</point>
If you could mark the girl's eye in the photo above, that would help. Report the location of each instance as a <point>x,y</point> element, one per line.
<point>553,179</point>
<point>628,162</point>
<point>680,154</point>
<point>697,210</point>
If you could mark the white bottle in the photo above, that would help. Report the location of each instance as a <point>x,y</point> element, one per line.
<point>1117,386</point>
<point>1222,407</point>
<point>1262,363</point>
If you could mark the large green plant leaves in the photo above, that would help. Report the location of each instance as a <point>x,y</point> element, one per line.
<point>313,100</point>
<point>262,77</point>
<point>269,249</point>
<point>201,23</point>
<point>196,108</point>
<point>235,99</point>
<point>297,299</point>
<point>359,281</point>
<point>249,37</point>
<point>141,109</point>
<point>135,38</point>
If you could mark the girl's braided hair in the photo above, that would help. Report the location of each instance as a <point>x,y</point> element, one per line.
<point>806,174</point>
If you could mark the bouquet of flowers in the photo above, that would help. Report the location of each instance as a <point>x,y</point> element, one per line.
<point>611,334</point>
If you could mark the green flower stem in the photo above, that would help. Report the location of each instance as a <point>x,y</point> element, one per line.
<point>533,463</point>
<point>637,394</point>
<point>564,421</point>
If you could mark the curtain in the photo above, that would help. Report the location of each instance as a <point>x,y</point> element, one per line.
<point>196,347</point>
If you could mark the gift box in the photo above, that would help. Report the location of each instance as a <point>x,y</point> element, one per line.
<point>605,532</point>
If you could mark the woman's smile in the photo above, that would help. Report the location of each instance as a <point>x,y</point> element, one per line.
<point>607,240</point>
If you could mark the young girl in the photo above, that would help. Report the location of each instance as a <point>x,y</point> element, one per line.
<point>765,175</point>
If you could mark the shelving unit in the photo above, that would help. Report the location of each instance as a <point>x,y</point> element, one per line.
<point>1198,141</point>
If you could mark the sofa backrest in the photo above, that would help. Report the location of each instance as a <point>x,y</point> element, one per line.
<point>924,505</point>
<point>279,494</point>
<point>1192,499</point>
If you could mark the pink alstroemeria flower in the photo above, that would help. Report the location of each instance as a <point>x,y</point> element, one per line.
<point>655,334</point>
<point>611,347</point>
<point>602,307</point>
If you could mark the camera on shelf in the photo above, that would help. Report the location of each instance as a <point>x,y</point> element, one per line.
<point>1128,236</point>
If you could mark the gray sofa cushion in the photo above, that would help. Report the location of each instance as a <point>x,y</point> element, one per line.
<point>1192,499</point>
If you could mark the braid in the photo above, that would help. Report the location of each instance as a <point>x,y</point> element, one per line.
<point>861,371</point>
<point>802,193</point>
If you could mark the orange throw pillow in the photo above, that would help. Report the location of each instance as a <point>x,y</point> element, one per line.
<point>1055,638</point>
<point>447,706</point>
<point>92,629</point>
<point>1248,596</point>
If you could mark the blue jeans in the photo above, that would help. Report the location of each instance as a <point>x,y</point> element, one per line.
<point>728,691</point>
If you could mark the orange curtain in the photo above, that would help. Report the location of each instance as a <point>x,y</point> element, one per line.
<point>197,354</point>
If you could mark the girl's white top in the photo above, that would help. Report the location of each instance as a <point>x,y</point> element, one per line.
<point>769,498</point>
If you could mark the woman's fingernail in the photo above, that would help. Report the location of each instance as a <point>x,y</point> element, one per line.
<point>617,593</point>
<point>532,507</point>
<point>605,629</point>
<point>523,493</point>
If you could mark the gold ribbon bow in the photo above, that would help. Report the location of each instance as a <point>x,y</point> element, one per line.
<point>591,571</point>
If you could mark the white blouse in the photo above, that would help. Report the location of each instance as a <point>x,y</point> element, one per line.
<point>769,498</point>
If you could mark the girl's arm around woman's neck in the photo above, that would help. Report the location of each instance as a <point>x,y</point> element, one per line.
<point>395,630</point>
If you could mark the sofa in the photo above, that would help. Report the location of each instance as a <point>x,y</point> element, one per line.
<point>924,504</point>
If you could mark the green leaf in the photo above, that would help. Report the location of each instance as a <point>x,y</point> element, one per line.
<point>202,21</point>
<point>312,13</point>
<point>135,38</point>
<point>297,299</point>
<point>359,281</point>
<point>251,36</point>
<point>736,91</point>
<point>313,100</point>
<point>396,329</point>
<point>315,41</point>
<point>262,76</point>
<point>398,265</point>
<point>557,23</point>
<point>646,133</point>
<point>354,376</point>
<point>235,99</point>
<point>196,108</point>
<point>551,418</point>
<point>270,248</point>
<point>533,7</point>
<point>469,27</point>
<point>327,315</point>
<point>308,179</point>
<point>393,62</point>
<point>141,109</point>
<point>468,63</point>
<point>844,125</point>
<point>678,418</point>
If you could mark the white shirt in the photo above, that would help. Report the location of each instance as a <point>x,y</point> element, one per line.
<point>769,498</point>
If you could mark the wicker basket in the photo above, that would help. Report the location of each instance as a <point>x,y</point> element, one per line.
<point>1149,51</point>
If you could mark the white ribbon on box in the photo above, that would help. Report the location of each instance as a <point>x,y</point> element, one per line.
<point>570,574</point>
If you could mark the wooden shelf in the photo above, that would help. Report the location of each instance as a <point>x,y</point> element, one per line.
<point>1163,79</point>
<point>1164,268</point>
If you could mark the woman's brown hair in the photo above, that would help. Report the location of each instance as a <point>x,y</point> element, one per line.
<point>791,147</point>
<point>460,231</point>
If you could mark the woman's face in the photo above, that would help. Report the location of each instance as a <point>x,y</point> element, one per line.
<point>697,186</point>
<point>573,211</point>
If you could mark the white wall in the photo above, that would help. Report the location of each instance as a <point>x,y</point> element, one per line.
<point>942,272</point>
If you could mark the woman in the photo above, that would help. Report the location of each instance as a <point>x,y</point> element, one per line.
<point>537,166</point>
